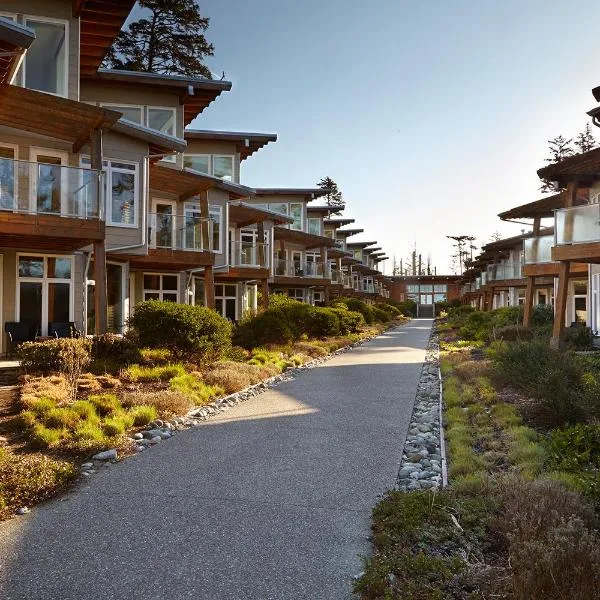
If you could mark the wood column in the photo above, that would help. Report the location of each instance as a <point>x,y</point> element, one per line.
<point>529,293</point>
<point>209,287</point>
<point>264,288</point>
<point>536,226</point>
<point>100,287</point>
<point>560,302</point>
<point>260,229</point>
<point>204,224</point>
<point>326,294</point>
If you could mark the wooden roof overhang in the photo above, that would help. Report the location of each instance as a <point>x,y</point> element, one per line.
<point>543,209</point>
<point>15,39</point>
<point>246,143</point>
<point>339,222</point>
<point>359,244</point>
<point>336,253</point>
<point>195,93</point>
<point>370,251</point>
<point>580,167</point>
<point>171,260</point>
<point>178,182</point>
<point>307,193</point>
<point>324,209</point>
<point>505,244</point>
<point>300,281</point>
<point>158,143</point>
<point>350,260</point>
<point>377,254</point>
<point>348,232</point>
<point>308,240</point>
<point>245,214</point>
<point>53,116</point>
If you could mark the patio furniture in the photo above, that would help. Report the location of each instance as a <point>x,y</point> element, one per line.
<point>17,334</point>
<point>63,330</point>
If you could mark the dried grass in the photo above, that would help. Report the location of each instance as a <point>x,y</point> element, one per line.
<point>54,388</point>
<point>168,403</point>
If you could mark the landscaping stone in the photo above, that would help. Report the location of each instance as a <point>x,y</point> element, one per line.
<point>421,464</point>
<point>106,455</point>
<point>23,510</point>
<point>87,466</point>
<point>138,436</point>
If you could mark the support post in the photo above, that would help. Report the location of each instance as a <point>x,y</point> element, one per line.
<point>204,224</point>
<point>209,287</point>
<point>260,234</point>
<point>100,286</point>
<point>264,288</point>
<point>528,309</point>
<point>326,294</point>
<point>558,332</point>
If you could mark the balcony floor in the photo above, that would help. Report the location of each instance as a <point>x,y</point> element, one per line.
<point>171,260</point>
<point>588,252</point>
<point>242,274</point>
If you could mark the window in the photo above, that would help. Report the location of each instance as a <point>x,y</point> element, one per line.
<point>280,208</point>
<point>197,292</point>
<point>296,294</point>
<point>122,183</point>
<point>46,61</point>
<point>427,289</point>
<point>442,289</point>
<point>131,113</point>
<point>314,226</point>
<point>162,119</point>
<point>197,162</point>
<point>215,215</point>
<point>44,292</point>
<point>296,214</point>
<point>226,300</point>
<point>357,253</point>
<point>159,286</point>
<point>223,167</point>
<point>439,297</point>
<point>8,172</point>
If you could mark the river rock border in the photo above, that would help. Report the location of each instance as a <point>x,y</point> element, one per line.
<point>423,464</point>
<point>160,430</point>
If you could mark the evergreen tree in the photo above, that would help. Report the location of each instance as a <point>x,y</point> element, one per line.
<point>585,140</point>
<point>168,40</point>
<point>559,148</point>
<point>334,196</point>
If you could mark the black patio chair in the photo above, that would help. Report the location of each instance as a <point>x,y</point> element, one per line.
<point>63,330</point>
<point>17,334</point>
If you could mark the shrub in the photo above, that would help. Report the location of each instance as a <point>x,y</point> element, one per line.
<point>359,306</point>
<point>379,315</point>
<point>265,328</point>
<point>513,333</point>
<point>45,437</point>
<point>195,389</point>
<point>574,448</point>
<point>53,388</point>
<point>155,356</point>
<point>231,380</point>
<point>542,315</point>
<point>408,308</point>
<point>477,326</point>
<point>311,348</point>
<point>181,328</point>
<point>143,414</point>
<point>138,373</point>
<point>580,338</point>
<point>168,403</point>
<point>105,404</point>
<point>110,346</point>
<point>30,478</point>
<point>322,322</point>
<point>88,431</point>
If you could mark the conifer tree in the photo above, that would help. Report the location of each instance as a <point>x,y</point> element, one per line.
<point>334,196</point>
<point>559,149</point>
<point>168,38</point>
<point>585,140</point>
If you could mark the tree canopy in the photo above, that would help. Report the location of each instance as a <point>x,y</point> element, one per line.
<point>334,196</point>
<point>168,38</point>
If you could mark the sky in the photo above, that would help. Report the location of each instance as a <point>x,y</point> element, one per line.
<point>431,116</point>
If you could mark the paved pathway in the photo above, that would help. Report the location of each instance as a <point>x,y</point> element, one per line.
<point>270,500</point>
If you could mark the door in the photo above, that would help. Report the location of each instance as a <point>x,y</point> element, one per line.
<point>49,182</point>
<point>162,224</point>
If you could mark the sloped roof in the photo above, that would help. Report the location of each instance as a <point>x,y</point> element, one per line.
<point>586,163</point>
<point>543,208</point>
<point>246,143</point>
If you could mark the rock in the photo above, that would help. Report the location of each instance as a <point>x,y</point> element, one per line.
<point>23,510</point>
<point>156,424</point>
<point>140,448</point>
<point>415,458</point>
<point>414,485</point>
<point>106,455</point>
<point>156,440</point>
<point>87,466</point>
<point>163,434</point>
<point>138,436</point>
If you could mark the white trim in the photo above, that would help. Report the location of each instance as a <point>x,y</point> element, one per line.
<point>15,149</point>
<point>39,19</point>
<point>173,204</point>
<point>224,297</point>
<point>232,157</point>
<point>160,291</point>
<point>34,153</point>
<point>192,155</point>
<point>117,105</point>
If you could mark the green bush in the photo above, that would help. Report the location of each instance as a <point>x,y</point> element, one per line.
<point>477,326</point>
<point>265,328</point>
<point>143,414</point>
<point>358,306</point>
<point>542,315</point>
<point>481,325</point>
<point>112,347</point>
<point>53,356</point>
<point>183,329</point>
<point>140,373</point>
<point>379,315</point>
<point>579,338</point>
<point>574,448</point>
<point>408,308</point>
<point>350,320</point>
<point>513,333</point>
<point>323,322</point>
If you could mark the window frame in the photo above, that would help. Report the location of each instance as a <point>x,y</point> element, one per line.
<point>15,149</point>
<point>116,105</point>
<point>108,170</point>
<point>209,156</point>
<point>219,209</point>
<point>161,290</point>
<point>63,155</point>
<point>39,19</point>
<point>212,161</point>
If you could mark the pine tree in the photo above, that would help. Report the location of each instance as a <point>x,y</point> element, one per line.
<point>585,140</point>
<point>169,40</point>
<point>334,196</point>
<point>559,148</point>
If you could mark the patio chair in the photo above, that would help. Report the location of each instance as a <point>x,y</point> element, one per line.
<point>17,334</point>
<point>63,330</point>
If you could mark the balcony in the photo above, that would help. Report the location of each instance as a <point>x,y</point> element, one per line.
<point>248,255</point>
<point>538,250</point>
<point>180,232</point>
<point>313,270</point>
<point>502,272</point>
<point>40,200</point>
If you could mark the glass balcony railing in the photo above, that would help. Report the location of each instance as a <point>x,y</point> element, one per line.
<point>538,249</point>
<point>287,268</point>
<point>49,188</point>
<point>502,271</point>
<point>577,225</point>
<point>248,254</point>
<point>478,283</point>
<point>180,232</point>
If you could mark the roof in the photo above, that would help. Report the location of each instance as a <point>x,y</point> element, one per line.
<point>100,22</point>
<point>370,250</point>
<point>246,143</point>
<point>311,192</point>
<point>308,240</point>
<point>349,232</point>
<point>159,142</point>
<point>243,214</point>
<point>339,222</point>
<point>28,110</point>
<point>324,209</point>
<point>336,253</point>
<point>196,93</point>
<point>506,243</point>
<point>359,244</point>
<point>543,208</point>
<point>573,167</point>
<point>14,41</point>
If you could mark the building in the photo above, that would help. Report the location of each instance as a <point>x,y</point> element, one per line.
<point>425,290</point>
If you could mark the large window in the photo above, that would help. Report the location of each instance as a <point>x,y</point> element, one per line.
<point>215,215</point>
<point>131,113</point>
<point>314,226</point>
<point>162,119</point>
<point>197,162</point>
<point>44,293</point>
<point>159,286</point>
<point>221,166</point>
<point>122,183</point>
<point>226,300</point>
<point>7,178</point>
<point>46,61</point>
<point>296,214</point>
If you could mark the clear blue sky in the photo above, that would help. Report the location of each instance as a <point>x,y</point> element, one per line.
<point>431,116</point>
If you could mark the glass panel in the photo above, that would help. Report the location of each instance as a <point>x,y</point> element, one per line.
<point>151,282</point>
<point>169,282</point>
<point>230,290</point>
<point>223,167</point>
<point>215,215</point>
<point>314,226</point>
<point>45,60</point>
<point>7,178</point>
<point>542,299</point>
<point>58,302</point>
<point>164,225</point>
<point>59,268</point>
<point>296,214</point>
<point>357,253</point>
<point>30,304</point>
<point>580,287</point>
<point>427,288</point>
<point>114,293</point>
<point>123,197</point>
<point>193,229</point>
<point>219,305</point>
<point>198,291</point>
<point>91,310</point>
<point>131,113</point>
<point>169,297</point>
<point>578,224</point>
<point>280,208</point>
<point>581,309</point>
<point>538,249</point>
<point>162,119</point>
<point>198,162</point>
<point>439,288</point>
<point>48,184</point>
<point>230,308</point>
<point>412,289</point>
<point>31,266</point>
<point>439,297</point>
<point>151,296</point>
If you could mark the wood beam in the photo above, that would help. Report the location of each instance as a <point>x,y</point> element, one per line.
<point>100,287</point>
<point>536,226</point>
<point>264,288</point>
<point>204,215</point>
<point>528,301</point>
<point>570,194</point>
<point>260,234</point>
<point>209,287</point>
<point>558,332</point>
